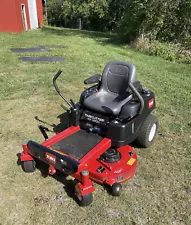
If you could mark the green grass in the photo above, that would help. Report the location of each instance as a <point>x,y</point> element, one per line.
<point>159,193</point>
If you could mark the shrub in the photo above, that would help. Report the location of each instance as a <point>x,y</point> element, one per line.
<point>169,51</point>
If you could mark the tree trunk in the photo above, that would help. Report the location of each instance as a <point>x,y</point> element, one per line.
<point>80,23</point>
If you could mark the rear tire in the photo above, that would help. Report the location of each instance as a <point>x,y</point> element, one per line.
<point>29,166</point>
<point>147,132</point>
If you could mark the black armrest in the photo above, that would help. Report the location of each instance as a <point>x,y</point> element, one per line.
<point>93,79</point>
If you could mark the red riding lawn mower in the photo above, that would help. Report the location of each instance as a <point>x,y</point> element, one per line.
<point>110,115</point>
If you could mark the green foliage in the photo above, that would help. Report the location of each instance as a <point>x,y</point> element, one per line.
<point>158,19</point>
<point>186,42</point>
<point>155,20</point>
<point>168,51</point>
<point>164,50</point>
<point>116,13</point>
<point>68,12</point>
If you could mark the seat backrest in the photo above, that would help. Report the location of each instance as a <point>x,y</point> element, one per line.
<point>116,77</point>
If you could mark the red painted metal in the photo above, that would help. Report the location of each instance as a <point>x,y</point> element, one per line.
<point>118,172</point>
<point>85,177</point>
<point>11,15</point>
<point>82,190</point>
<point>85,186</point>
<point>61,135</point>
<point>114,172</point>
<point>51,170</point>
<point>25,157</point>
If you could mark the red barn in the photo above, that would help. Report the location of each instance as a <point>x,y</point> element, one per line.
<point>20,15</point>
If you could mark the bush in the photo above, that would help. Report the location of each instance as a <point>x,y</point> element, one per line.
<point>164,50</point>
<point>169,51</point>
<point>159,20</point>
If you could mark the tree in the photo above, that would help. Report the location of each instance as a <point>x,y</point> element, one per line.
<point>71,11</point>
<point>157,19</point>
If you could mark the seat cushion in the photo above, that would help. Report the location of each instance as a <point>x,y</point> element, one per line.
<point>106,102</point>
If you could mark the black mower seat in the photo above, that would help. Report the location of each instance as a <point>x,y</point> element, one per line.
<point>114,90</point>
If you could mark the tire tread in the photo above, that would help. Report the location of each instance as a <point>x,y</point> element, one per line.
<point>142,139</point>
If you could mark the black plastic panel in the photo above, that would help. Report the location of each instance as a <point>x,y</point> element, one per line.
<point>61,162</point>
<point>78,144</point>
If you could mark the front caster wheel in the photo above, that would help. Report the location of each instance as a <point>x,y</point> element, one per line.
<point>85,200</point>
<point>116,189</point>
<point>29,166</point>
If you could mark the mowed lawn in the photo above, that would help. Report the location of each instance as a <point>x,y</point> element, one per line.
<point>160,191</point>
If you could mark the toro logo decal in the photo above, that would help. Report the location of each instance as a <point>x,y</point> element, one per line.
<point>51,158</point>
<point>151,103</point>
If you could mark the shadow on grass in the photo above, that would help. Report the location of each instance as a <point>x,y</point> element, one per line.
<point>64,123</point>
<point>68,185</point>
<point>101,37</point>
